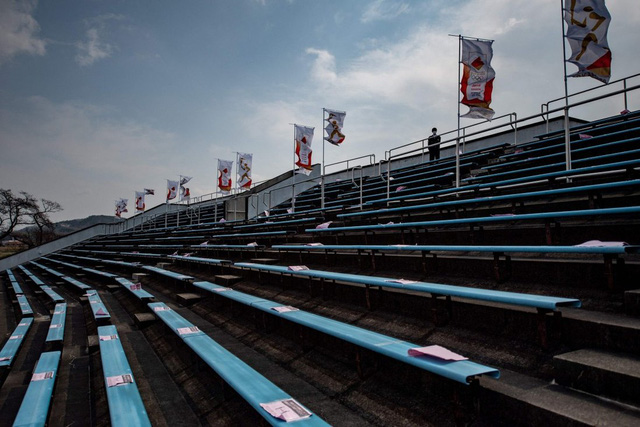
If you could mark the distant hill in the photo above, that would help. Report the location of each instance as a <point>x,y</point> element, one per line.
<point>72,225</point>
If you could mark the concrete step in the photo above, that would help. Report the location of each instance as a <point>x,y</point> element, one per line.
<point>612,375</point>
<point>517,399</point>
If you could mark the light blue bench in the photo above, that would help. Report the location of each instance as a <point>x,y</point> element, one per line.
<point>511,298</point>
<point>608,167</point>
<point>609,253</point>
<point>140,294</point>
<point>201,260</point>
<point>167,273</point>
<point>34,409</point>
<point>55,335</point>
<point>247,382</point>
<point>125,404</point>
<point>78,267</point>
<point>53,295</point>
<point>100,313</point>
<point>544,216</point>
<point>12,345</point>
<point>594,188</point>
<point>462,371</point>
<point>14,283</point>
<point>23,303</point>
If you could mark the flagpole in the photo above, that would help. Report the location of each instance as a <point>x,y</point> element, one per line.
<point>293,173</point>
<point>567,136</point>
<point>322,169</point>
<point>458,134</point>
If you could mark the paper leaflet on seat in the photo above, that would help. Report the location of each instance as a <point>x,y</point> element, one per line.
<point>108,337</point>
<point>286,409</point>
<point>599,244</point>
<point>161,308</point>
<point>401,281</point>
<point>297,267</point>
<point>16,337</point>
<point>92,302</point>
<point>314,244</point>
<point>188,330</point>
<point>221,289</point>
<point>284,309</point>
<point>119,380</point>
<point>135,286</point>
<point>55,326</point>
<point>252,244</point>
<point>42,376</point>
<point>436,351</point>
<point>323,225</point>
<point>400,188</point>
<point>5,358</point>
<point>100,312</point>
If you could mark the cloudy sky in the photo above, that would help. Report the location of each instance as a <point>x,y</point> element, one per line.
<point>101,98</point>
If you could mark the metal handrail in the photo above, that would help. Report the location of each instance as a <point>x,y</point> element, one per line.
<point>369,156</point>
<point>353,171</point>
<point>624,90</point>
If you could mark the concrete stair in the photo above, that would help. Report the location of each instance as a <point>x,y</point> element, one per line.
<point>612,375</point>
<point>516,399</point>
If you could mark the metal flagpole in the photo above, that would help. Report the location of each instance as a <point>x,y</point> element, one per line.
<point>293,174</point>
<point>567,136</point>
<point>458,134</point>
<point>322,170</point>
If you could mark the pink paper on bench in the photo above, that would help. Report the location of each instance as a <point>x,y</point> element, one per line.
<point>436,351</point>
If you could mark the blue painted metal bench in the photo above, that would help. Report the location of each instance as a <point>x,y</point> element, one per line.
<point>34,409</point>
<point>78,267</point>
<point>510,298</point>
<point>25,307</point>
<point>140,294</point>
<point>460,371</point>
<point>247,382</point>
<point>125,403</point>
<point>55,335</point>
<point>201,260</point>
<point>13,344</point>
<point>100,313</point>
<point>544,216</point>
<point>167,273</point>
<point>53,295</point>
<point>608,167</point>
<point>14,283</point>
<point>594,188</point>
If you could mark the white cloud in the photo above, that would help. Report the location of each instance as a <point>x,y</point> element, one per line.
<point>381,10</point>
<point>19,30</point>
<point>92,49</point>
<point>74,153</point>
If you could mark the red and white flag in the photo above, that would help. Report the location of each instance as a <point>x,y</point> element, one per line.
<point>224,175</point>
<point>477,78</point>
<point>244,170</point>
<point>335,121</point>
<point>172,189</point>
<point>140,200</point>
<point>304,137</point>
<point>588,22</point>
<point>121,207</point>
<point>184,191</point>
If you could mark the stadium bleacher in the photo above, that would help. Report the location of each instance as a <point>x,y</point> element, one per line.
<point>405,300</point>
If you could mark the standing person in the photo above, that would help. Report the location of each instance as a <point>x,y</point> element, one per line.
<point>433,144</point>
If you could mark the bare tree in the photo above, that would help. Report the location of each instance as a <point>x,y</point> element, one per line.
<point>27,210</point>
<point>15,211</point>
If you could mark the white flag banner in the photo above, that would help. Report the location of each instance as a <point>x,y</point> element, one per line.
<point>335,121</point>
<point>588,22</point>
<point>304,138</point>
<point>172,189</point>
<point>121,207</point>
<point>149,191</point>
<point>245,162</point>
<point>224,175</point>
<point>140,200</point>
<point>477,78</point>
<point>185,194</point>
<point>185,179</point>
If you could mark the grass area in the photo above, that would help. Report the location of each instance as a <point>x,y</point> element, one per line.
<point>6,251</point>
